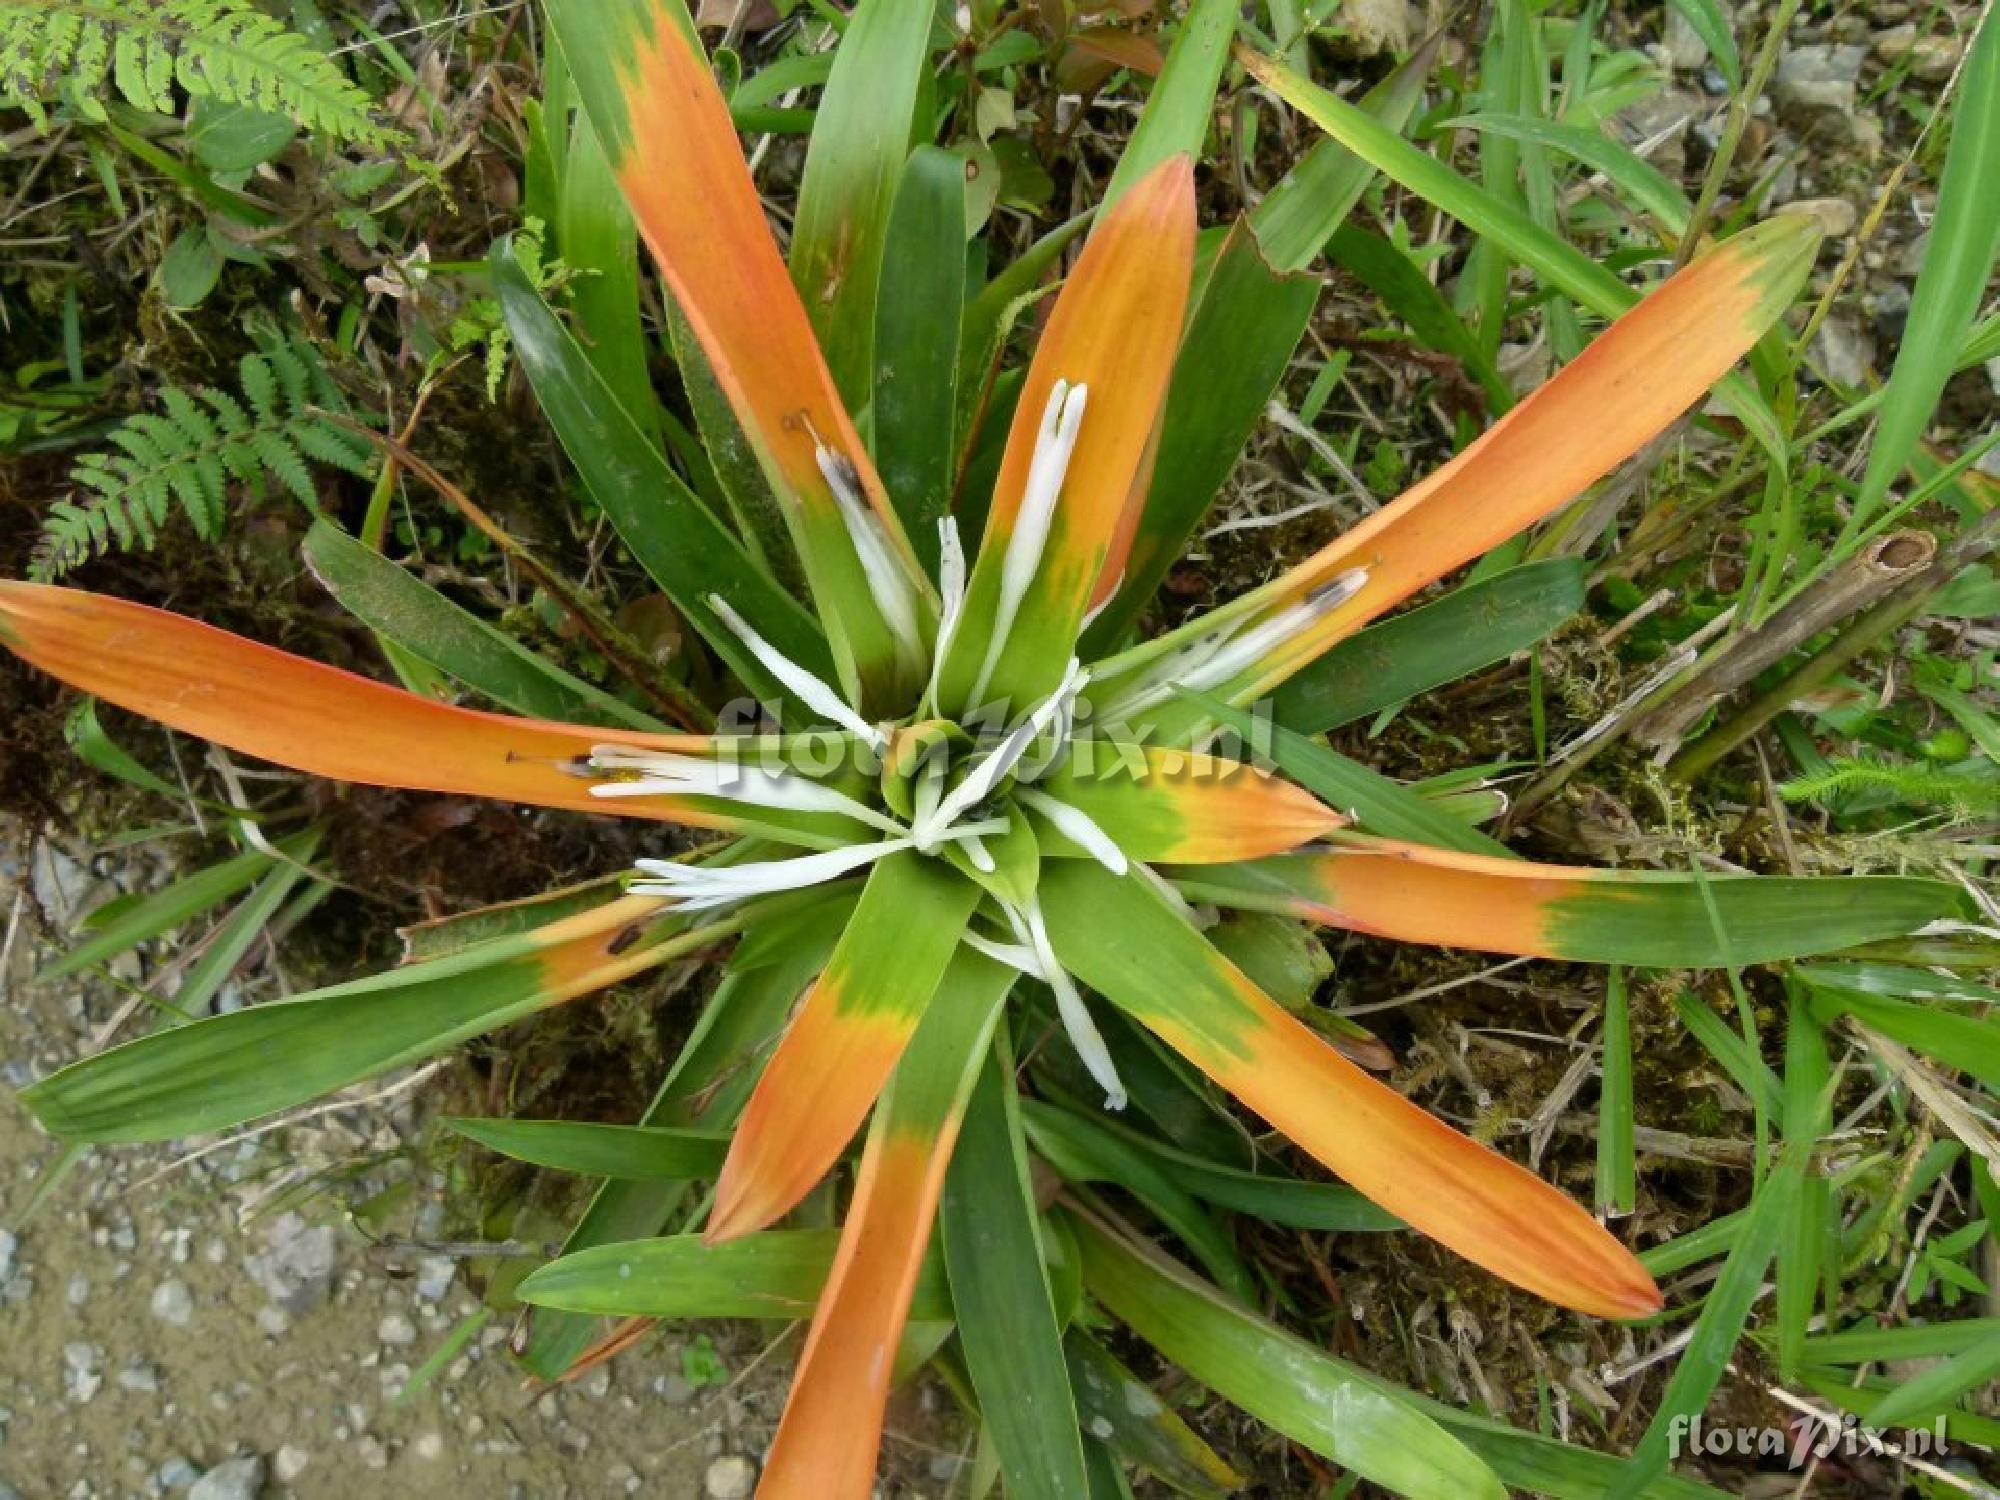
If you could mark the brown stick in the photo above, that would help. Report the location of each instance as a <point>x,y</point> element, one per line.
<point>1888,616</point>
<point>1848,590</point>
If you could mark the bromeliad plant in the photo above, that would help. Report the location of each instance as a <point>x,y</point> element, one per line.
<point>965,784</point>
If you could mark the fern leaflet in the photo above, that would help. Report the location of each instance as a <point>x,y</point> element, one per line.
<point>224,49</point>
<point>1965,795</point>
<point>191,449</point>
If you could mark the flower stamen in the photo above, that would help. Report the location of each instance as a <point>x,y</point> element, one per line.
<point>812,692</point>
<point>887,578</point>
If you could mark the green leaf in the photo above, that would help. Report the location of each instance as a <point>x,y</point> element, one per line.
<point>441,936</point>
<point>1007,1324</point>
<point>1167,1092</point>
<point>1938,1388</point>
<point>1083,1151</point>
<point>775,1274</point>
<point>1282,1381</point>
<point>730,458</point>
<point>645,1153</point>
<point>673,535</point>
<point>1617,1186</point>
<point>708,1085</point>
<point>916,344</point>
<point>1709,21</point>
<point>596,236</point>
<point>1958,261</point>
<point>1869,1343</point>
<point>96,749</point>
<point>1897,981</point>
<point>1298,216</point>
<point>1472,627</point>
<point>1507,228</point>
<point>225,949</point>
<point>989,317</point>
<point>1393,276</point>
<point>1269,1196</point>
<point>396,604</point>
<point>167,908</point>
<point>227,1069</point>
<point>1175,119</point>
<point>1726,1308</point>
<point>231,138</point>
<point>860,138</point>
<point>1802,1238</point>
<point>1637,180</point>
<point>190,269</point>
<point>1968,1043</point>
<point>1122,1411</point>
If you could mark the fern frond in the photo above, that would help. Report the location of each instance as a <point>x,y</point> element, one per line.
<point>1963,794</point>
<point>79,50</point>
<point>189,451</point>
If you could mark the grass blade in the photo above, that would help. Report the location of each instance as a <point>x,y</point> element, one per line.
<point>1958,260</point>
<point>1617,1175</point>
<point>860,138</point>
<point>1007,1323</point>
<point>645,1153</point>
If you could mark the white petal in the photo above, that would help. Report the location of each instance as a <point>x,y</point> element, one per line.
<point>1083,1032</point>
<point>985,776</point>
<point>709,885</point>
<point>815,694</point>
<point>1076,825</point>
<point>1062,420</point>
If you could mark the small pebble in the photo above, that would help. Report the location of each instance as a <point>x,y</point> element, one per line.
<point>290,1463</point>
<point>140,1378</point>
<point>177,1474</point>
<point>1836,216</point>
<point>173,1302</point>
<point>429,1447</point>
<point>730,1478</point>
<point>435,1275</point>
<point>81,1377</point>
<point>396,1330</point>
<point>9,1247</point>
<point>237,1479</point>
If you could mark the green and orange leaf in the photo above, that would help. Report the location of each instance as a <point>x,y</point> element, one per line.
<point>1648,918</point>
<point>227,1069</point>
<point>646,85</point>
<point>832,1427</point>
<point>843,1044</point>
<point>1125,940</point>
<point>1182,807</point>
<point>1622,391</point>
<point>311,717</point>
<point>1114,330</point>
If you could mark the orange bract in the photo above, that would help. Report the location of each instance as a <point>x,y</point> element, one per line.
<point>684,176</point>
<point>279,707</point>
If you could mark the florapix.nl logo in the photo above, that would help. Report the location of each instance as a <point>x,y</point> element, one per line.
<point>1812,1437</point>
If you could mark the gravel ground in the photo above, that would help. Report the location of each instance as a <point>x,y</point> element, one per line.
<point>168,1326</point>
